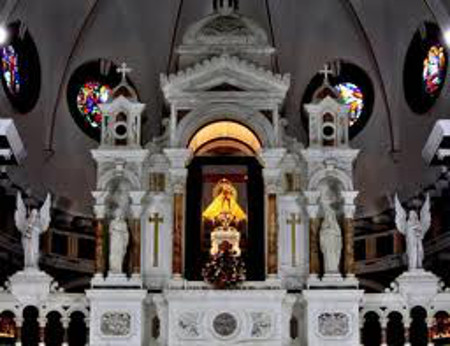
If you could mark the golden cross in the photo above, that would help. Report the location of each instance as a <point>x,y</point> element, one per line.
<point>293,222</point>
<point>157,220</point>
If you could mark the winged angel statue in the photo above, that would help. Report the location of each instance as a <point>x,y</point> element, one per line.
<point>414,230</point>
<point>31,228</point>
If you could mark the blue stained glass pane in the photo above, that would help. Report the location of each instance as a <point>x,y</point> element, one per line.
<point>10,68</point>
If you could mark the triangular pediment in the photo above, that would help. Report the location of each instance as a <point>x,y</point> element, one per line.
<point>225,74</point>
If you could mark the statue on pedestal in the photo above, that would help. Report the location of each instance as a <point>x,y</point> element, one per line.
<point>414,230</point>
<point>31,228</point>
<point>330,239</point>
<point>224,211</point>
<point>118,241</point>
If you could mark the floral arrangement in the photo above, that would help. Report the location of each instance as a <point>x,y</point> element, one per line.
<point>224,270</point>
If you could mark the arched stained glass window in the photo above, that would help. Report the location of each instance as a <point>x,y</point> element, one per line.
<point>352,96</point>
<point>90,95</point>
<point>425,68</point>
<point>434,69</point>
<point>10,68</point>
<point>20,71</point>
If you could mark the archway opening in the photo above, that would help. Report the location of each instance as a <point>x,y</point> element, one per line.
<point>225,137</point>
<point>224,153</point>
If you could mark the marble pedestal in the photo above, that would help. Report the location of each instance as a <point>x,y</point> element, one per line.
<point>332,316</point>
<point>214,317</point>
<point>116,316</point>
<point>30,286</point>
<point>418,286</point>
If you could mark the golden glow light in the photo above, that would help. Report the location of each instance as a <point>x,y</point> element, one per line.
<point>224,130</point>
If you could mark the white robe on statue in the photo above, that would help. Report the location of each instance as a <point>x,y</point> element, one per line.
<point>330,241</point>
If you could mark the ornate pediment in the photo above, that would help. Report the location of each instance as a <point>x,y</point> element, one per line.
<point>239,76</point>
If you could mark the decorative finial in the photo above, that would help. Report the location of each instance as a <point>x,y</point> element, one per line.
<point>326,72</point>
<point>226,6</point>
<point>124,70</point>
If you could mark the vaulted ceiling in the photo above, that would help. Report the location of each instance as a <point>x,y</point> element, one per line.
<point>374,35</point>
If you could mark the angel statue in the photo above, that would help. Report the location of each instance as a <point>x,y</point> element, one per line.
<point>414,230</point>
<point>31,228</point>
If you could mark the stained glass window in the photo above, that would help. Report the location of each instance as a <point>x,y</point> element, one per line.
<point>434,69</point>
<point>10,68</point>
<point>352,96</point>
<point>90,95</point>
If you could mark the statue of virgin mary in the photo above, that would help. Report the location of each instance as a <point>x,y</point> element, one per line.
<point>330,239</point>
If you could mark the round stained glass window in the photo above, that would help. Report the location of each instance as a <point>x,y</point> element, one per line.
<point>355,90</point>
<point>352,96</point>
<point>90,95</point>
<point>434,69</point>
<point>91,85</point>
<point>10,68</point>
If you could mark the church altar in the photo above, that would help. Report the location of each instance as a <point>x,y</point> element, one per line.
<point>225,188</point>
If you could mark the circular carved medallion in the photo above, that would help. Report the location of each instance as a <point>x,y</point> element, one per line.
<point>225,324</point>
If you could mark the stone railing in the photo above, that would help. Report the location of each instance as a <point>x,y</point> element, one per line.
<point>415,309</point>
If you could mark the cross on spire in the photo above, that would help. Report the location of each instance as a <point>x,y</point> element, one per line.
<point>124,70</point>
<point>326,72</point>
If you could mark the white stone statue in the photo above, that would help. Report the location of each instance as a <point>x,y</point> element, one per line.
<point>330,239</point>
<point>31,228</point>
<point>118,241</point>
<point>414,230</point>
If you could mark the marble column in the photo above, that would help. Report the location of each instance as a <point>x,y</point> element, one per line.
<point>349,231</point>
<point>383,323</point>
<point>65,324</point>
<point>407,325</point>
<point>272,173</point>
<point>430,323</point>
<point>19,323</point>
<point>136,246</point>
<point>179,159</point>
<point>100,238</point>
<point>312,208</point>
<point>135,228</point>
<point>42,323</point>
<point>178,217</point>
<point>99,247</point>
<point>349,263</point>
<point>272,235</point>
<point>314,261</point>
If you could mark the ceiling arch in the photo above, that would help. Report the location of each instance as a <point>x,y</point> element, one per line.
<point>306,33</point>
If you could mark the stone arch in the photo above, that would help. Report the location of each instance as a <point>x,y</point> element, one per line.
<point>109,177</point>
<point>225,133</point>
<point>79,309</point>
<point>326,174</point>
<point>209,113</point>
